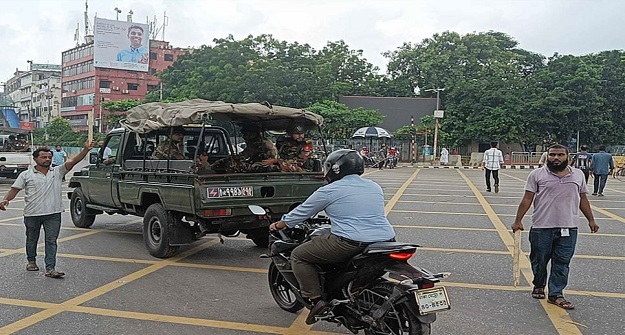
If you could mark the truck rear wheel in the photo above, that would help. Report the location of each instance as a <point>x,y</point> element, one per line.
<point>157,225</point>
<point>79,211</point>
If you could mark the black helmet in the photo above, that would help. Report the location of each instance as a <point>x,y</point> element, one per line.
<point>295,129</point>
<point>343,162</point>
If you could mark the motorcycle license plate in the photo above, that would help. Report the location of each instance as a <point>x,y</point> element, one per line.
<point>432,300</point>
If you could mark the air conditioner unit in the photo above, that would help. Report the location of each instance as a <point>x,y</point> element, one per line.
<point>73,91</point>
<point>125,92</point>
<point>116,88</point>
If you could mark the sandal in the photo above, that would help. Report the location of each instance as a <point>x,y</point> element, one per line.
<point>561,302</point>
<point>32,267</point>
<point>538,293</point>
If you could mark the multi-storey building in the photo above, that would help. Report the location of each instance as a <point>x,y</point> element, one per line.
<point>36,94</point>
<point>85,86</point>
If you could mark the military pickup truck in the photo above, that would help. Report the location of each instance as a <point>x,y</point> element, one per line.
<point>179,203</point>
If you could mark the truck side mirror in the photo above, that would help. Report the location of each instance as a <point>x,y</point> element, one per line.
<point>93,158</point>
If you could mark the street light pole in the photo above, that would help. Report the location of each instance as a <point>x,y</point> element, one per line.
<point>436,117</point>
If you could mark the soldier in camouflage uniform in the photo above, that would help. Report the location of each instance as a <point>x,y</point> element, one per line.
<point>171,148</point>
<point>295,151</point>
<point>259,155</point>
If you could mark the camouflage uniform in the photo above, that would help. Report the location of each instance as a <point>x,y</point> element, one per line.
<point>203,167</point>
<point>168,150</point>
<point>250,159</point>
<point>296,156</point>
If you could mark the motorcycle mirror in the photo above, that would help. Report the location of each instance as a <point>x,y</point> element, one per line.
<point>256,210</point>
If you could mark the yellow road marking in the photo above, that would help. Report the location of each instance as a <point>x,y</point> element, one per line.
<point>74,302</point>
<point>391,203</point>
<point>608,214</point>
<point>559,317</point>
<point>444,228</point>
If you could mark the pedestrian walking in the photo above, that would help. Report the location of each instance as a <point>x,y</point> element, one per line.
<point>59,157</point>
<point>581,160</point>
<point>43,205</point>
<point>493,158</point>
<point>602,165</point>
<point>558,193</point>
<point>444,156</point>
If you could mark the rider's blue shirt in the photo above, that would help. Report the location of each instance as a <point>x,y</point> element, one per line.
<point>354,205</point>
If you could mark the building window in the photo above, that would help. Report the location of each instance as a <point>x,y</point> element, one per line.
<point>169,57</point>
<point>152,71</point>
<point>105,84</point>
<point>133,87</point>
<point>153,55</point>
<point>152,87</point>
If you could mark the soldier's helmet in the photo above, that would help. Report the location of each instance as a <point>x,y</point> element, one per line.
<point>295,129</point>
<point>343,162</point>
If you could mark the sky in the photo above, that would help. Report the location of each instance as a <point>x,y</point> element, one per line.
<point>39,30</point>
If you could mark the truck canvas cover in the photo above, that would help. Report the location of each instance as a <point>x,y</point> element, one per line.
<point>158,115</point>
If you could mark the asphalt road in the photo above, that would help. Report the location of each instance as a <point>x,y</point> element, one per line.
<point>113,286</point>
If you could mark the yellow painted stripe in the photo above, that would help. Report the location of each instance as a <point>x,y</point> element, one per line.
<point>558,316</point>
<point>608,214</point>
<point>444,228</point>
<point>391,203</point>
<point>29,321</point>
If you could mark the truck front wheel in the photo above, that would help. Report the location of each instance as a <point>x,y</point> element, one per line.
<point>157,225</point>
<point>79,211</point>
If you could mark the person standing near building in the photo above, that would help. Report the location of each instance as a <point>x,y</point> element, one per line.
<point>43,205</point>
<point>553,233</point>
<point>59,157</point>
<point>601,165</point>
<point>581,160</point>
<point>493,158</point>
<point>444,156</point>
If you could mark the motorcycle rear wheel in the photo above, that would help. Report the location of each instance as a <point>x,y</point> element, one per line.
<point>282,292</point>
<point>398,320</point>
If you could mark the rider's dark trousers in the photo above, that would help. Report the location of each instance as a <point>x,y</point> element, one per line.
<point>324,249</point>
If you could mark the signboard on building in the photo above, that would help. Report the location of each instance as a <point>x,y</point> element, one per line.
<point>27,125</point>
<point>121,45</point>
<point>45,67</point>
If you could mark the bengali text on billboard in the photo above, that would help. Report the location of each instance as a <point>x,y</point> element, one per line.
<point>121,45</point>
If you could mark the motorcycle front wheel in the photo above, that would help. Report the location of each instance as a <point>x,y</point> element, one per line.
<point>398,320</point>
<point>282,291</point>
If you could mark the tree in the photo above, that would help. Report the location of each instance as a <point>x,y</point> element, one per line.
<point>484,76</point>
<point>263,68</point>
<point>116,108</point>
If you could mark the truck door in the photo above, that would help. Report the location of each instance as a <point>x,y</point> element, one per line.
<point>101,178</point>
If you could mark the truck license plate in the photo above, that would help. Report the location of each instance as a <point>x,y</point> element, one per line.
<point>230,192</point>
<point>432,300</point>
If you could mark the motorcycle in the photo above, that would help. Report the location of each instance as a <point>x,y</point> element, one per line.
<point>376,291</point>
<point>391,161</point>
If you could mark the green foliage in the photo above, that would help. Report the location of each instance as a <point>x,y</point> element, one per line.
<point>121,105</point>
<point>340,122</point>
<point>263,68</point>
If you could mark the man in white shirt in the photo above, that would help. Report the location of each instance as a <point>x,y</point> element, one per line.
<point>43,205</point>
<point>493,158</point>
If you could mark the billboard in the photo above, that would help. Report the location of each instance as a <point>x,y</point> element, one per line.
<point>121,45</point>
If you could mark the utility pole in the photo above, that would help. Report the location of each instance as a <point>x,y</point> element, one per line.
<point>117,11</point>
<point>437,115</point>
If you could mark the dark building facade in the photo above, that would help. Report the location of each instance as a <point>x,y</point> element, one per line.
<point>396,110</point>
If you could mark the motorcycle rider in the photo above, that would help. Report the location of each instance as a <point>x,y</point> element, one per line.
<point>392,156</point>
<point>355,207</point>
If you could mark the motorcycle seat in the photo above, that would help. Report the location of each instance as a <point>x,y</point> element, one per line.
<point>386,247</point>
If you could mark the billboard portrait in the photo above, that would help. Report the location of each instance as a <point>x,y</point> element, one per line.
<point>121,45</point>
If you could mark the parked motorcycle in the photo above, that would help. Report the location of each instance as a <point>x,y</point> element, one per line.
<point>377,291</point>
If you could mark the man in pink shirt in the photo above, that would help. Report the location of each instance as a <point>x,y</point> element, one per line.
<point>558,193</point>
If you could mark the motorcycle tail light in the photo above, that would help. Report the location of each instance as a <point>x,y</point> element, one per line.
<point>400,256</point>
<point>427,284</point>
